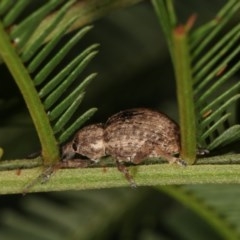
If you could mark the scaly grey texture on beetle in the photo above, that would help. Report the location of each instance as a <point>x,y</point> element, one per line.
<point>128,136</point>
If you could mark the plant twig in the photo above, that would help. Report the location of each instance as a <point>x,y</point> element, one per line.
<point>95,178</point>
<point>49,145</point>
<point>181,59</point>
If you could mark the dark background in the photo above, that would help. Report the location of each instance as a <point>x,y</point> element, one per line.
<point>133,65</point>
<point>134,70</point>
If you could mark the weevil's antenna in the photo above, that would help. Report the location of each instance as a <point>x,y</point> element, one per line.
<point>50,170</point>
<point>42,178</point>
<point>122,168</point>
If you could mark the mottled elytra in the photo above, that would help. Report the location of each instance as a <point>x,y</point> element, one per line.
<point>128,136</point>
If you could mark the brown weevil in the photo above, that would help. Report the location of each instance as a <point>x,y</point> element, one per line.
<point>129,136</point>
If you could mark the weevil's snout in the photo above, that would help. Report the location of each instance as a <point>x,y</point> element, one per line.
<point>68,152</point>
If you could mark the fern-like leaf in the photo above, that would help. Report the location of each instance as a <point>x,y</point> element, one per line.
<point>63,215</point>
<point>206,79</point>
<point>214,95</point>
<point>42,91</point>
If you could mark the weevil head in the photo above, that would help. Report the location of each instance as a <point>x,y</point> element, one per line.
<point>68,151</point>
<point>87,143</point>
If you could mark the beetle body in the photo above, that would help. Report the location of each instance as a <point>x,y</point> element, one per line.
<point>135,134</point>
<point>87,142</point>
<point>128,136</point>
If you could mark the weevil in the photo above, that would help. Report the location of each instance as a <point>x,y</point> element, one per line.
<point>129,136</point>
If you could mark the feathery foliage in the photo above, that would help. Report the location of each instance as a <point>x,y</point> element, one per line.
<point>33,67</point>
<point>122,212</point>
<point>205,61</point>
<point>44,89</point>
<point>57,216</point>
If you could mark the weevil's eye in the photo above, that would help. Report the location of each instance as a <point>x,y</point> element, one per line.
<point>74,146</point>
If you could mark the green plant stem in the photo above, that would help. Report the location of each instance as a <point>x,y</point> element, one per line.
<point>182,67</point>
<point>20,164</point>
<point>50,150</point>
<point>95,178</point>
<point>166,19</point>
<point>37,162</point>
<point>205,212</point>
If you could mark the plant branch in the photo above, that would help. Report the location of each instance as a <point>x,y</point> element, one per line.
<point>181,59</point>
<point>95,178</point>
<point>48,142</point>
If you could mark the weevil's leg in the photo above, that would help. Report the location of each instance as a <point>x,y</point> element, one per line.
<point>122,168</point>
<point>202,151</point>
<point>75,163</point>
<point>170,158</point>
<point>143,153</point>
<point>42,178</point>
<point>49,171</point>
<point>148,149</point>
<point>175,160</point>
<point>71,163</point>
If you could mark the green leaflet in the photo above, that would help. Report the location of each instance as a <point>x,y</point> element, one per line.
<point>212,67</point>
<point>50,112</point>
